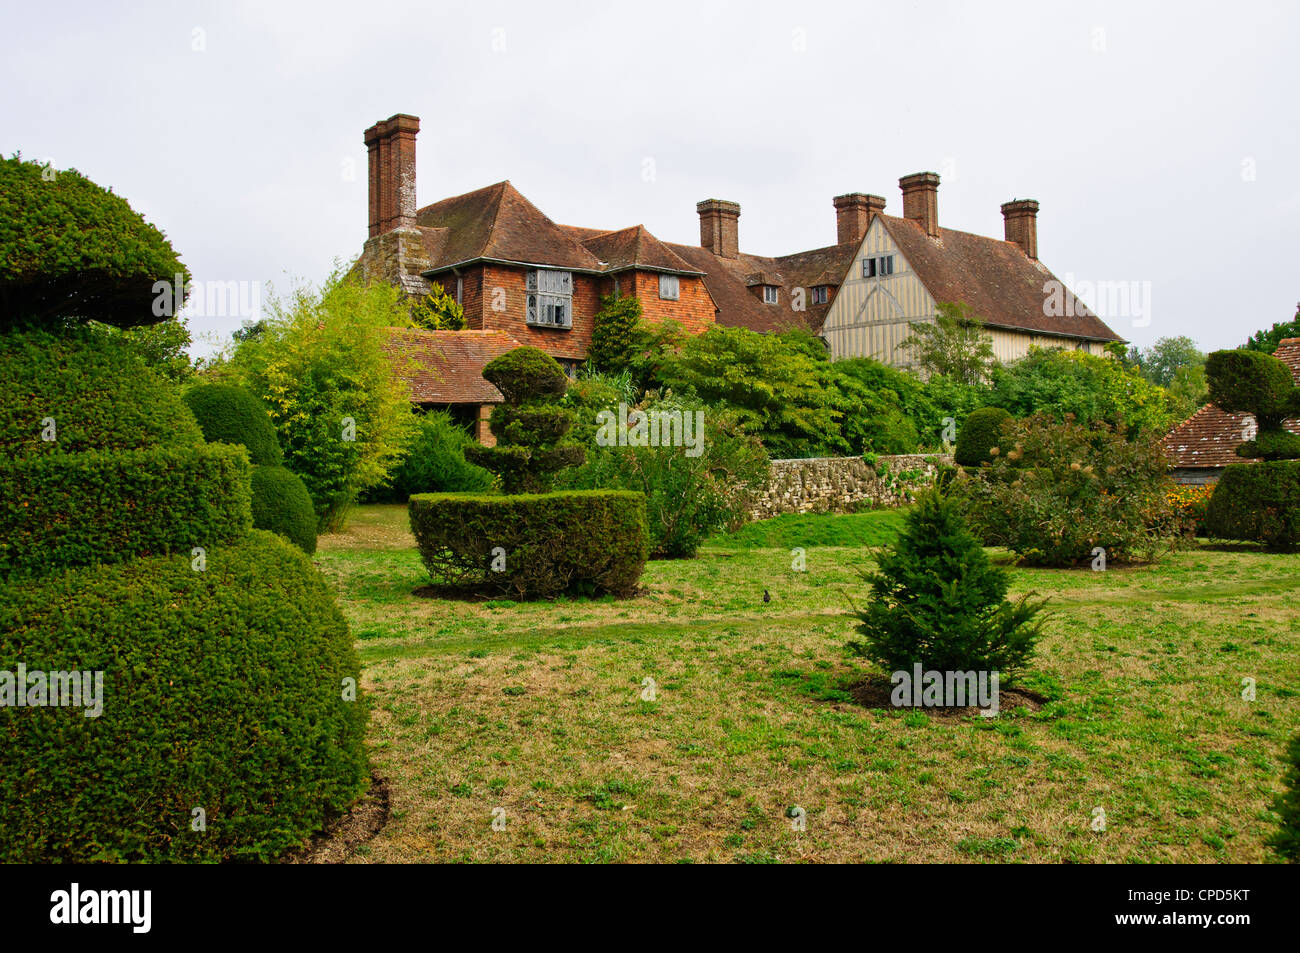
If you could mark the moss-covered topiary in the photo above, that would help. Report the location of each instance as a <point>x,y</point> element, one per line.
<point>78,391</point>
<point>981,431</point>
<point>71,250</point>
<point>223,690</point>
<point>282,505</point>
<point>227,413</point>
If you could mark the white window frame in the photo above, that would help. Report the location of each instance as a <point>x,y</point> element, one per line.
<point>771,294</point>
<point>673,287</point>
<point>550,298</point>
<point>878,266</point>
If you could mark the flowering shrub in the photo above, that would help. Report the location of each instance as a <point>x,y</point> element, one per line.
<point>1058,491</point>
<point>1188,504</point>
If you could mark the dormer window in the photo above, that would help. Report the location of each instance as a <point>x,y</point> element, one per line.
<point>669,287</point>
<point>878,266</point>
<point>819,294</point>
<point>771,294</point>
<point>550,298</point>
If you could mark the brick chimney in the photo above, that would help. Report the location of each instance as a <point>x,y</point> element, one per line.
<point>921,200</point>
<point>1020,218</point>
<point>391,144</point>
<point>719,227</point>
<point>853,215</point>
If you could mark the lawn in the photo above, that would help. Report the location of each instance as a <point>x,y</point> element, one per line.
<point>533,714</point>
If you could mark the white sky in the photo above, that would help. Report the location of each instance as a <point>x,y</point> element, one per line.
<point>1160,138</point>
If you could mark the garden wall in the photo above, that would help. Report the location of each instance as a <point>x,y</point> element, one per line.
<point>844,484</point>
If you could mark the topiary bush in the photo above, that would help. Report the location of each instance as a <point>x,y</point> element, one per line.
<point>222,690</point>
<point>1258,502</point>
<point>982,430</point>
<point>227,413</point>
<point>434,463</point>
<point>71,250</point>
<point>281,504</point>
<point>534,545</point>
<point>78,391</point>
<point>530,427</point>
<point>936,601</point>
<point>1286,840</point>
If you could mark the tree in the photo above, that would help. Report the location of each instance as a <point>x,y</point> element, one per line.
<point>1091,387</point>
<point>342,416</point>
<point>1162,361</point>
<point>531,429</point>
<point>1267,341</point>
<point>781,386</point>
<point>937,601</point>
<point>438,311</point>
<point>955,345</point>
<point>71,250</point>
<point>616,334</point>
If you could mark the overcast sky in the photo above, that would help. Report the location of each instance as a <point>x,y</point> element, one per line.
<point>1160,139</point>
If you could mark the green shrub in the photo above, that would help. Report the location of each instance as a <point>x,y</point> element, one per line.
<point>980,432</point>
<point>1251,382</point>
<point>688,498</point>
<point>936,601</point>
<point>71,250</point>
<point>1286,840</point>
<point>583,541</point>
<point>230,414</point>
<point>531,427</point>
<point>1057,491</point>
<point>281,504</point>
<point>106,506</point>
<point>1259,502</point>
<point>616,334</point>
<point>96,389</point>
<point>434,463</point>
<point>223,690</point>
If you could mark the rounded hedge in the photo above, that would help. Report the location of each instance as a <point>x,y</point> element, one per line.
<point>526,374</point>
<point>73,392</point>
<point>1250,382</point>
<point>980,432</point>
<point>282,505</point>
<point>224,690</point>
<point>70,249</point>
<point>1258,502</point>
<point>227,413</point>
<point>534,545</point>
<point>110,506</point>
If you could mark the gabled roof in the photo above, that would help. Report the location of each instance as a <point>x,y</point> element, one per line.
<point>999,283</point>
<point>1210,437</point>
<point>634,247</point>
<point>446,367</point>
<point>499,224</point>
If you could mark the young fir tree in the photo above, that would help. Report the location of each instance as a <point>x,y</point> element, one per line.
<point>1286,840</point>
<point>531,430</point>
<point>936,600</point>
<point>615,334</point>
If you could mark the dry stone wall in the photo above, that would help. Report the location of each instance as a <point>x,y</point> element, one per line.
<point>844,484</point>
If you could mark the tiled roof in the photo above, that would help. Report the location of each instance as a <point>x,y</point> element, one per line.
<point>995,278</point>
<point>446,367</point>
<point>1210,437</point>
<point>498,223</point>
<point>634,248</point>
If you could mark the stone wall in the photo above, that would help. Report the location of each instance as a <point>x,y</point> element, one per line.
<point>844,484</point>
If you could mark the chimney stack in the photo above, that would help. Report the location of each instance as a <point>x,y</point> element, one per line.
<point>719,227</point>
<point>1020,218</point>
<point>853,215</point>
<point>391,144</point>
<point>921,200</point>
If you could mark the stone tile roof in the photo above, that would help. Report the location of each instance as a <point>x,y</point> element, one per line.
<point>1210,437</point>
<point>995,278</point>
<point>446,367</point>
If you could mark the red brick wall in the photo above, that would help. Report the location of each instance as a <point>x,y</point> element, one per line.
<point>694,309</point>
<point>513,318</point>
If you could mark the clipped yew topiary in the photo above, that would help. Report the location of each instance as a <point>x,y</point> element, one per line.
<point>1260,501</point>
<point>281,504</point>
<point>582,542</point>
<point>1286,840</point>
<point>982,430</point>
<point>530,427</point>
<point>231,414</point>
